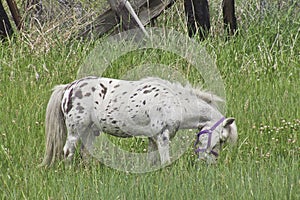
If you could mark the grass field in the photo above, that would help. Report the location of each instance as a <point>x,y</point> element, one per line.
<point>261,71</point>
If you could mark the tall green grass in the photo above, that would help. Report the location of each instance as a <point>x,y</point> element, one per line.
<point>261,71</point>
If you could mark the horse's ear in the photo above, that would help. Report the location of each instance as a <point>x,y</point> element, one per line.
<point>228,121</point>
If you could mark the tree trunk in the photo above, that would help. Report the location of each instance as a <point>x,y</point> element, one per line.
<point>198,21</point>
<point>229,18</point>
<point>5,26</point>
<point>15,13</point>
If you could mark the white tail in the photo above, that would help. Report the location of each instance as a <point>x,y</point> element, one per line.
<point>55,127</point>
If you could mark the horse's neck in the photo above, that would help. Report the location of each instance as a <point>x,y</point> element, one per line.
<point>198,114</point>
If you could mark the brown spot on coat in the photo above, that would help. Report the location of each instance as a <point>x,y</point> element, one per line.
<point>80,109</point>
<point>83,84</point>
<point>69,104</point>
<point>78,94</point>
<point>147,91</point>
<point>104,90</point>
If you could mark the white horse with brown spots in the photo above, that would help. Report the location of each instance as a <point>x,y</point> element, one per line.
<point>150,107</point>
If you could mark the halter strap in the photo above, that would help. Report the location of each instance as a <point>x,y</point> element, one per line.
<point>209,132</point>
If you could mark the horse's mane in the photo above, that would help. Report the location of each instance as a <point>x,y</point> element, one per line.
<point>206,96</point>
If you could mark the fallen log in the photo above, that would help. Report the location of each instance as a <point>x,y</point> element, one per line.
<point>107,22</point>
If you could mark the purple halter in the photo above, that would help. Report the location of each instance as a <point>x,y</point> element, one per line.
<point>209,132</point>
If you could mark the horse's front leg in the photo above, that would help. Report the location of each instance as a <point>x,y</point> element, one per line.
<point>87,147</point>
<point>163,142</point>
<point>152,152</point>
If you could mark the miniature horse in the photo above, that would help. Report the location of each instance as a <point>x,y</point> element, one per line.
<point>151,107</point>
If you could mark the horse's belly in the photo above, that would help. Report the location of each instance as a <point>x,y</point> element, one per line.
<point>114,130</point>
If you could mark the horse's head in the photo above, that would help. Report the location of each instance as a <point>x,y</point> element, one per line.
<point>211,138</point>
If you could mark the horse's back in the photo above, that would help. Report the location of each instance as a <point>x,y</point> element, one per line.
<point>121,107</point>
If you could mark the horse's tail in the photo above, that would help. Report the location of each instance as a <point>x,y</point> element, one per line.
<point>55,127</point>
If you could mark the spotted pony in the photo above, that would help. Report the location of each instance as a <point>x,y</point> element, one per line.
<point>150,107</point>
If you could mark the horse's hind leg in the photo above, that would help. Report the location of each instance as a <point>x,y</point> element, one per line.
<point>76,129</point>
<point>69,148</point>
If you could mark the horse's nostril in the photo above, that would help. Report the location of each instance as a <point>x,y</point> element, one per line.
<point>97,133</point>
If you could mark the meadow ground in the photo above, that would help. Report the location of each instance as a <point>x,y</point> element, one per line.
<point>261,71</point>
